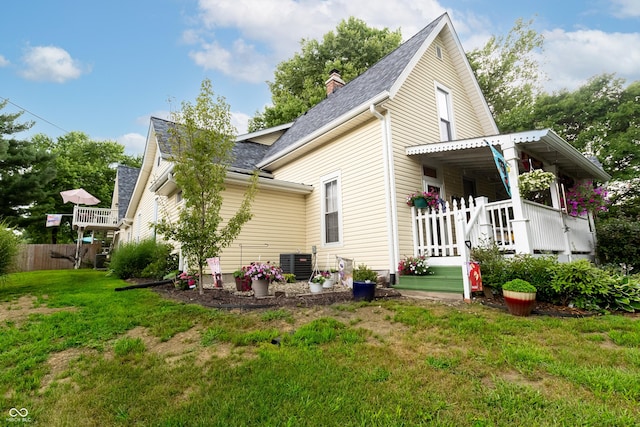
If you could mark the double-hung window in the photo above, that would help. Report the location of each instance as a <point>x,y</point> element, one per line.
<point>445,113</point>
<point>331,210</point>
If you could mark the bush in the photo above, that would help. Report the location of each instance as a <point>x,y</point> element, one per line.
<point>581,283</point>
<point>493,265</point>
<point>619,242</point>
<point>8,249</point>
<point>535,270</point>
<point>145,259</point>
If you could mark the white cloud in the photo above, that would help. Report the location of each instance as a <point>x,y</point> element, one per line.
<point>161,114</point>
<point>50,63</point>
<point>626,8</point>
<point>133,143</point>
<point>240,121</point>
<point>243,61</point>
<point>571,58</point>
<point>269,31</point>
<point>3,61</point>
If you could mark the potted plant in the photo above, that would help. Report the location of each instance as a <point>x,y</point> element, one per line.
<point>261,274</point>
<point>536,180</point>
<point>243,283</point>
<point>519,296</point>
<point>316,282</point>
<point>364,283</point>
<point>424,199</point>
<point>329,279</point>
<point>583,198</point>
<point>185,281</point>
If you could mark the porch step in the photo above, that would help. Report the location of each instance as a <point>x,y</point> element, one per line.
<point>443,279</point>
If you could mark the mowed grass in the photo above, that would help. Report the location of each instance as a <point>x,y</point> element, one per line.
<point>81,354</point>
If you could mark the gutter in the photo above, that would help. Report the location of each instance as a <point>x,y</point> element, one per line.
<point>324,129</point>
<point>390,192</point>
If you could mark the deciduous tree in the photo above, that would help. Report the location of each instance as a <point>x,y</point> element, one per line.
<point>201,144</point>
<point>509,75</point>
<point>298,83</point>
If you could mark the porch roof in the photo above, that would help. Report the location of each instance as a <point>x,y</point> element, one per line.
<point>473,155</point>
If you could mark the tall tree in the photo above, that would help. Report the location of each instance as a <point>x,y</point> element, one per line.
<point>25,169</point>
<point>601,118</point>
<point>299,82</point>
<point>509,75</point>
<point>201,145</point>
<point>79,161</point>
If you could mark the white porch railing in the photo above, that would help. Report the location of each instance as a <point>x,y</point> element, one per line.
<point>95,218</point>
<point>550,230</point>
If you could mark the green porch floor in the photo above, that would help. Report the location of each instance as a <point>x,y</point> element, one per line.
<point>443,279</point>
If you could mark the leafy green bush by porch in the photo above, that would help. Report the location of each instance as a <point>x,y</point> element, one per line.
<point>619,242</point>
<point>8,248</point>
<point>145,259</point>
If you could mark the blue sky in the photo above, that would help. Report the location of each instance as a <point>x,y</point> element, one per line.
<point>104,67</point>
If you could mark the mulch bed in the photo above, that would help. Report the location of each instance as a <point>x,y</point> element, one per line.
<point>541,308</point>
<point>222,298</point>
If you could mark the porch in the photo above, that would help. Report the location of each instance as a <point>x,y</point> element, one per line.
<point>445,235</point>
<point>517,225</point>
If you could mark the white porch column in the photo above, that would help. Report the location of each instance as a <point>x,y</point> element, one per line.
<point>520,223</point>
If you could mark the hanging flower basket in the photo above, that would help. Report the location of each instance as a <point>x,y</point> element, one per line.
<point>536,180</point>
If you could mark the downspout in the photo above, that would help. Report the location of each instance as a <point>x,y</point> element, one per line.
<point>390,193</point>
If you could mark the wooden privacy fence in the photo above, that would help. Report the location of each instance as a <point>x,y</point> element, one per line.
<point>54,257</point>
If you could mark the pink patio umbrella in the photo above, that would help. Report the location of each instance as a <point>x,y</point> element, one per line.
<point>79,196</point>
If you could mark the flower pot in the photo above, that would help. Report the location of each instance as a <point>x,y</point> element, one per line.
<point>260,287</point>
<point>328,283</point>
<point>243,284</point>
<point>420,203</point>
<point>315,288</point>
<point>364,291</point>
<point>519,303</point>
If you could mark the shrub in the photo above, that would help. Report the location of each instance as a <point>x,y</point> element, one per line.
<point>289,277</point>
<point>8,249</point>
<point>624,294</point>
<point>619,242</point>
<point>535,270</point>
<point>145,259</point>
<point>518,285</point>
<point>493,265</point>
<point>581,283</point>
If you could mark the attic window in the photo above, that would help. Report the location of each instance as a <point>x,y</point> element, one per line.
<point>438,52</point>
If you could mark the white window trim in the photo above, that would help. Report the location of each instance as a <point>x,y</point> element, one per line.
<point>335,176</point>
<point>449,92</point>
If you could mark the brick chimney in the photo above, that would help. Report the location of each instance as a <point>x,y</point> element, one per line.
<point>334,82</point>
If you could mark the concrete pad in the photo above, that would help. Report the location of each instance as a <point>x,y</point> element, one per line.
<point>436,296</point>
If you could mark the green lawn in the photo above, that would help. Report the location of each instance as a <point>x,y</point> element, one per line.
<point>75,353</point>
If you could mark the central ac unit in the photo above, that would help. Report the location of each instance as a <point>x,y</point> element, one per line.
<point>298,264</point>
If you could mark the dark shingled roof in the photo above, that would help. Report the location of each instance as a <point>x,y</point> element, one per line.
<point>127,177</point>
<point>246,154</point>
<point>378,78</point>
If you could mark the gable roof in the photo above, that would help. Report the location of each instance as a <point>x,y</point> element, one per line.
<point>379,78</point>
<point>127,177</point>
<point>246,154</point>
<point>382,80</point>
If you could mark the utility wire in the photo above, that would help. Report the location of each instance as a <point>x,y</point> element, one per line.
<point>34,114</point>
